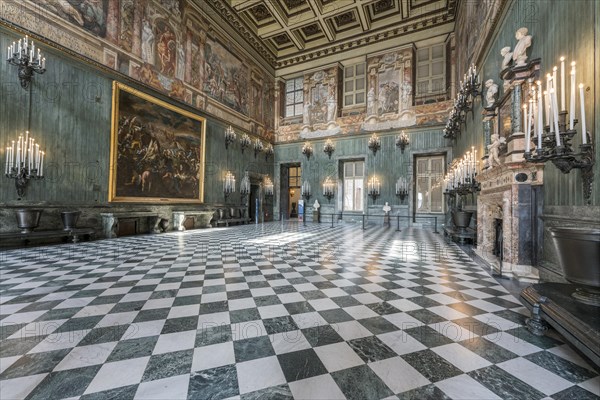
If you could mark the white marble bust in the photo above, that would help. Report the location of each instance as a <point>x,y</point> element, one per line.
<point>520,51</point>
<point>507,57</point>
<point>387,208</point>
<point>316,206</point>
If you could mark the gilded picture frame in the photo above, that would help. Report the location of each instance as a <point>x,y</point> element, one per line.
<point>157,150</point>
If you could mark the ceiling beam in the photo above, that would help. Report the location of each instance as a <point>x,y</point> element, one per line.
<point>364,20</point>
<point>283,21</point>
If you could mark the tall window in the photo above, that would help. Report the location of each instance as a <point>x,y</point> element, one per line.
<point>294,97</point>
<point>431,67</point>
<point>430,173</point>
<point>354,179</point>
<point>354,85</point>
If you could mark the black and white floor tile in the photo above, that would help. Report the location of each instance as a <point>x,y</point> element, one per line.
<point>275,311</point>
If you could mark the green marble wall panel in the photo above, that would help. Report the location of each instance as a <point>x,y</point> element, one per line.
<point>388,164</point>
<point>71,119</point>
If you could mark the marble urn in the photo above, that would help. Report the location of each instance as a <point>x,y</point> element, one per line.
<point>579,256</point>
<point>28,219</point>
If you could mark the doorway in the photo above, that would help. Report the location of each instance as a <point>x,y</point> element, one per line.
<point>291,181</point>
<point>253,202</point>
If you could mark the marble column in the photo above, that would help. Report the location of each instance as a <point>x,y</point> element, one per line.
<point>112,21</point>
<point>188,55</point>
<point>201,44</point>
<point>488,128</point>
<point>516,117</point>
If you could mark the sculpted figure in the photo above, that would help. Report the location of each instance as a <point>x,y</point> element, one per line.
<point>490,95</point>
<point>507,57</point>
<point>520,51</point>
<point>494,150</point>
<point>147,42</point>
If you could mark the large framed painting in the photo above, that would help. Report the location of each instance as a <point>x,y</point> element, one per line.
<point>157,150</point>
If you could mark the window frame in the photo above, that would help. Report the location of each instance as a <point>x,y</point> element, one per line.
<point>432,179</point>
<point>298,81</point>
<point>430,76</point>
<point>354,92</point>
<point>354,178</point>
<point>295,178</point>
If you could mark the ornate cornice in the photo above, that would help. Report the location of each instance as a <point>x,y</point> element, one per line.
<point>230,15</point>
<point>409,26</point>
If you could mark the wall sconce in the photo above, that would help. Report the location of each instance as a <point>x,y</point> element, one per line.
<point>402,141</point>
<point>269,187</point>
<point>258,147</point>
<point>460,179</point>
<point>229,184</point>
<point>307,150</point>
<point>401,188</point>
<point>374,188</point>
<point>24,161</point>
<point>555,144</point>
<point>463,103</point>
<point>328,189</point>
<point>374,143</point>
<point>22,54</point>
<point>329,148</point>
<point>306,192</point>
<point>229,136</point>
<point>269,151</point>
<point>245,186</point>
<point>245,141</point>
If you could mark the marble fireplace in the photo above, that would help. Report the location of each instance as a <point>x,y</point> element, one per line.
<point>511,193</point>
<point>511,189</point>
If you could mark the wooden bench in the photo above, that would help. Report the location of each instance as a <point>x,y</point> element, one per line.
<point>110,221</point>
<point>73,234</point>
<point>223,216</point>
<point>180,217</point>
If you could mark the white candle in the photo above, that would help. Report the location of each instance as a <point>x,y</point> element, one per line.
<point>42,165</point>
<point>572,104</point>
<point>527,128</point>
<point>547,99</point>
<point>7,160</point>
<point>524,117</point>
<point>555,116</point>
<point>583,127</point>
<point>12,154</point>
<point>562,84</point>
<point>18,157</point>
<point>554,80</point>
<point>540,116</point>
<point>25,145</point>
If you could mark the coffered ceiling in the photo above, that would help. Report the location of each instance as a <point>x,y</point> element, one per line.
<point>287,32</point>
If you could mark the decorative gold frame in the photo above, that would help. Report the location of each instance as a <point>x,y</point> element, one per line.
<point>112,187</point>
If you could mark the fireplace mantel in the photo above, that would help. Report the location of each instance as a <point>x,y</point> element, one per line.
<point>502,177</point>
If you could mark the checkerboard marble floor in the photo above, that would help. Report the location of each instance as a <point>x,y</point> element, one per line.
<point>274,311</point>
